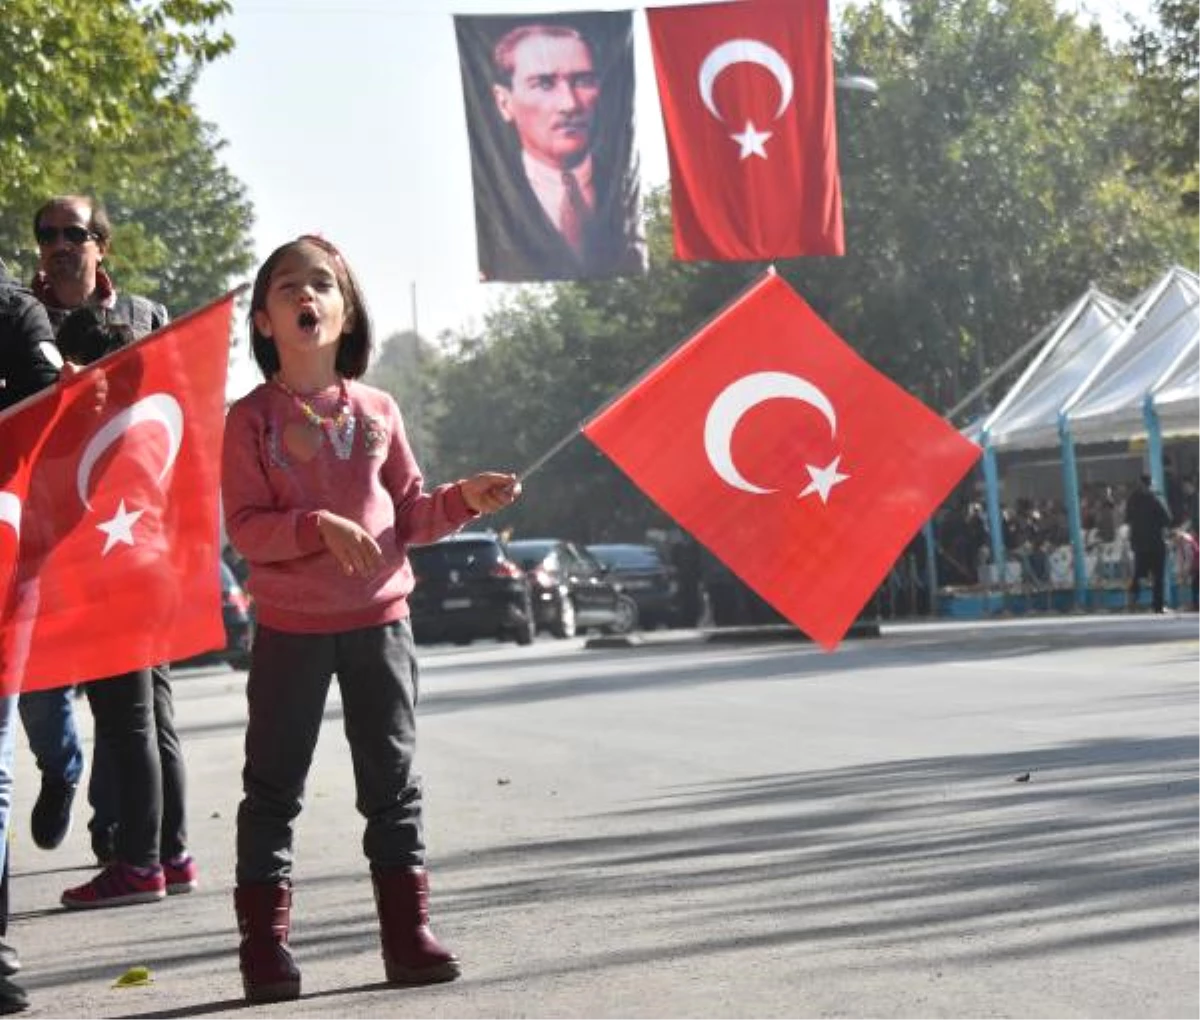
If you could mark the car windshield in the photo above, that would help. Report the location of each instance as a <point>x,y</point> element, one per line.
<point>626,557</point>
<point>530,554</point>
<point>445,556</point>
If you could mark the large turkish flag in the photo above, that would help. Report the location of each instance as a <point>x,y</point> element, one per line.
<point>746,91</point>
<point>795,462</point>
<point>109,533</point>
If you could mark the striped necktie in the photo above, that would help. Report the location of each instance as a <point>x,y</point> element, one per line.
<point>574,212</point>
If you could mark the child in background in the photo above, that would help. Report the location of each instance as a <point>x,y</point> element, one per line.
<point>322,496</point>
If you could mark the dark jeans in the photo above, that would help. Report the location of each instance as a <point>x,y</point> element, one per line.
<point>123,708</point>
<point>104,791</point>
<point>289,680</point>
<point>1152,561</point>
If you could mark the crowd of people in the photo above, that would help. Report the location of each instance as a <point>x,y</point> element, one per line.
<point>1130,533</point>
<point>322,495</point>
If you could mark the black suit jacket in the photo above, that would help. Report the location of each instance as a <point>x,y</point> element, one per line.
<point>519,242</point>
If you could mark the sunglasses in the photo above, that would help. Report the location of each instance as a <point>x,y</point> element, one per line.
<point>73,234</point>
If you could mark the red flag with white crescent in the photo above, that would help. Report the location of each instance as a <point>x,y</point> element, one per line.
<point>109,528</point>
<point>746,91</point>
<point>797,464</point>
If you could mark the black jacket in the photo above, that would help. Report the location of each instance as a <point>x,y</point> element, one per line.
<point>27,350</point>
<point>1146,517</point>
<point>517,241</point>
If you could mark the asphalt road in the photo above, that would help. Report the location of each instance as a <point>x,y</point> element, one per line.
<point>696,829</point>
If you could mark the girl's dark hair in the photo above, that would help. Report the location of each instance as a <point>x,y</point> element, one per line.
<point>354,348</point>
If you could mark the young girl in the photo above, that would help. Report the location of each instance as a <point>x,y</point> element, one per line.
<point>322,496</point>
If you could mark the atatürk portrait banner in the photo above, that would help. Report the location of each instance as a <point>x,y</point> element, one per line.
<point>549,104</point>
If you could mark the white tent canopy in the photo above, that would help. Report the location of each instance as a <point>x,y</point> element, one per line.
<point>1027,417</point>
<point>1156,351</point>
<point>1177,396</point>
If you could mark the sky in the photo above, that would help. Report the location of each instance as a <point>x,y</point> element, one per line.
<point>345,118</point>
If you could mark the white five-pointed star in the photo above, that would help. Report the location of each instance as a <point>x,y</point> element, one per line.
<point>751,140</point>
<point>119,528</point>
<point>824,479</point>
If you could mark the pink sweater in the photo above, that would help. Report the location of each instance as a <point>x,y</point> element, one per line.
<point>275,476</point>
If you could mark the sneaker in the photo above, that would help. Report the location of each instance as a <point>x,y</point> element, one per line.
<point>10,963</point>
<point>51,819</point>
<point>12,996</point>
<point>117,885</point>
<point>180,874</point>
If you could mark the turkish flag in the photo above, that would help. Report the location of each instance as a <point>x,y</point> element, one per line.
<point>795,462</point>
<point>746,91</point>
<point>109,529</point>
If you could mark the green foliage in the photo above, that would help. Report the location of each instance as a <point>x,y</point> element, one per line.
<point>989,182</point>
<point>406,367</point>
<point>95,98</point>
<point>986,188</point>
<point>1165,122</point>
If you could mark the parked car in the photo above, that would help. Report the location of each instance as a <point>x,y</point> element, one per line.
<point>469,586</point>
<point>237,613</point>
<point>572,591</point>
<point>645,577</point>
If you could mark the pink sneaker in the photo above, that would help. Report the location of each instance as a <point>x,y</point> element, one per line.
<point>117,885</point>
<point>180,874</point>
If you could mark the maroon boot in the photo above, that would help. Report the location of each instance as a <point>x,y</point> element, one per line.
<point>264,914</point>
<point>411,953</point>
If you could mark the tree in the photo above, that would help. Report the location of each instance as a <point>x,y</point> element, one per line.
<point>182,224</point>
<point>406,367</point>
<point>987,187</point>
<point>95,98</point>
<point>1165,123</point>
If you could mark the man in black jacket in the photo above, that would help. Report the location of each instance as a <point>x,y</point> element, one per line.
<point>1147,519</point>
<point>138,771</point>
<point>29,361</point>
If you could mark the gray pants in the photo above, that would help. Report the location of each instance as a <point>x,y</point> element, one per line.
<point>289,680</point>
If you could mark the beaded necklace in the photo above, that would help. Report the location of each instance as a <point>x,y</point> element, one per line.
<point>320,420</point>
<point>338,428</point>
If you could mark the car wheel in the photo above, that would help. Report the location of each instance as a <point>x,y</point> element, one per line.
<point>627,616</point>
<point>564,622</point>
<point>526,629</point>
<point>525,633</point>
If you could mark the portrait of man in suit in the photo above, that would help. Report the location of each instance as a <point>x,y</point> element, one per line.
<point>549,111</point>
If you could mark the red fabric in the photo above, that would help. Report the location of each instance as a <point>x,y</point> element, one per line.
<point>785,199</point>
<point>73,609</point>
<point>816,559</point>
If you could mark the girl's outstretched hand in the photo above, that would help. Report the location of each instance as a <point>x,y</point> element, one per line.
<point>351,545</point>
<point>489,491</point>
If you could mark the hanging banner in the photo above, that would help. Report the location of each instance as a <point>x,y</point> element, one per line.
<point>747,101</point>
<point>549,105</point>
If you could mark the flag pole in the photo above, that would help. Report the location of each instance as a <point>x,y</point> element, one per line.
<point>745,292</point>
<point>33,398</point>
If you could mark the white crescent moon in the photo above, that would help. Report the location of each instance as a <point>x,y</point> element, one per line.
<point>159,407</point>
<point>739,397</point>
<point>744,51</point>
<point>10,511</point>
